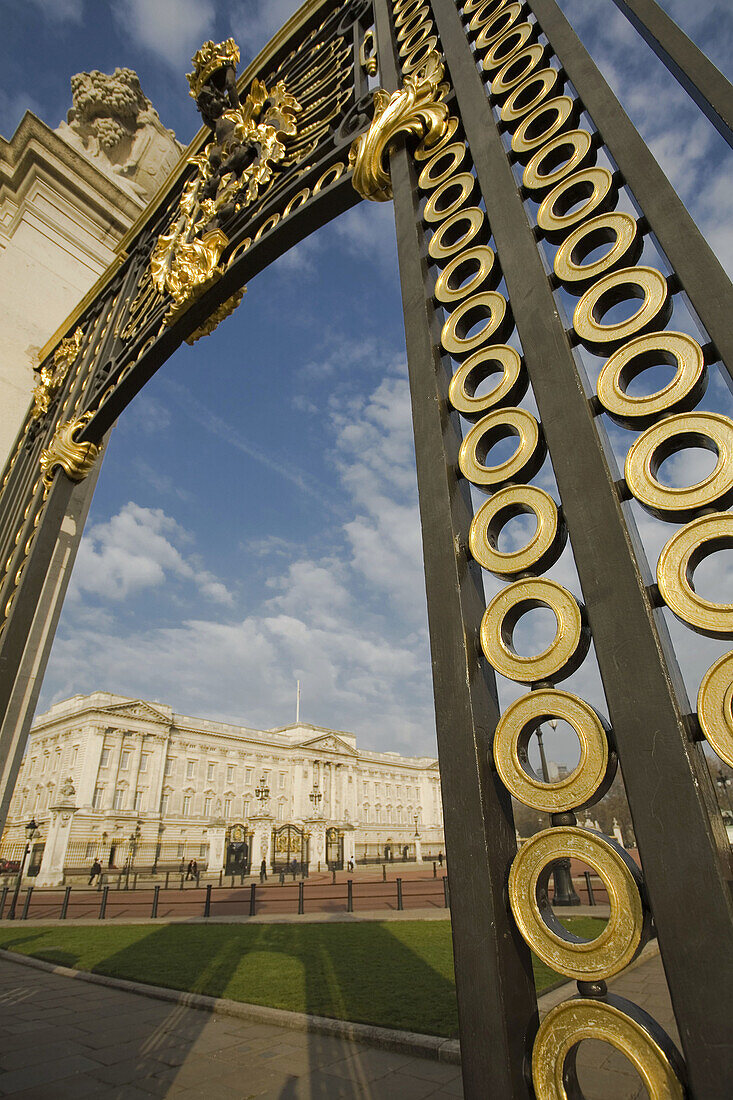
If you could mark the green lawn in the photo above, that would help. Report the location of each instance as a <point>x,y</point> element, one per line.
<point>395,974</point>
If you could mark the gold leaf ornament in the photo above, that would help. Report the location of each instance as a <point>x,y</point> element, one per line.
<point>76,459</point>
<point>52,374</point>
<point>414,109</point>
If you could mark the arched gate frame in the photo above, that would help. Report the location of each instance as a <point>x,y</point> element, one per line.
<point>490,132</point>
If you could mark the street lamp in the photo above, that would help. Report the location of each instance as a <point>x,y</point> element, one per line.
<point>262,793</point>
<point>315,797</point>
<point>30,832</point>
<point>417,818</point>
<point>564,890</point>
<point>724,782</point>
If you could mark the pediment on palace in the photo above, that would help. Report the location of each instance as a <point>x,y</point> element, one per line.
<point>137,709</point>
<point>329,743</point>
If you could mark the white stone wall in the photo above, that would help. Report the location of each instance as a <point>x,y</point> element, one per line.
<point>190,774</point>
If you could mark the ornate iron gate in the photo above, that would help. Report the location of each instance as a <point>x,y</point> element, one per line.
<point>289,843</point>
<point>505,152</point>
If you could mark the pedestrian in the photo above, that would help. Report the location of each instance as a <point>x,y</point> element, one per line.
<point>189,870</point>
<point>195,870</point>
<point>440,858</point>
<point>263,871</point>
<point>294,868</point>
<point>95,872</point>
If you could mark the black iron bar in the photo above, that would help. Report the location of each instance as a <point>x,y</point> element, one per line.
<point>349,897</point>
<point>252,899</point>
<point>495,989</point>
<point>26,903</point>
<point>64,903</point>
<point>399,894</point>
<point>207,903</point>
<point>3,897</point>
<point>646,696</point>
<point>300,898</point>
<point>705,84</point>
<point>156,895</point>
<point>589,887</point>
<point>446,893</point>
<point>103,903</point>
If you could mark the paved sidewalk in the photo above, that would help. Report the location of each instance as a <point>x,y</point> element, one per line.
<point>61,1037</point>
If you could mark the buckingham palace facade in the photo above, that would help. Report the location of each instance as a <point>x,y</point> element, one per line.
<point>128,782</point>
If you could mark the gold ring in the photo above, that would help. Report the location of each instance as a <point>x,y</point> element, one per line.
<point>336,170</point>
<point>681,394</point>
<point>628,923</point>
<point>596,767</point>
<point>542,549</point>
<point>497,425</point>
<point>419,55</point>
<point>512,111</point>
<point>420,33</point>
<point>483,12</point>
<point>488,306</point>
<point>406,26</point>
<point>677,561</point>
<point>435,171</point>
<point>645,283</point>
<point>472,6</point>
<point>715,707</point>
<point>406,11</point>
<point>508,76</point>
<point>508,46</point>
<point>593,185</point>
<point>562,109</point>
<point>711,431</point>
<point>640,1039</point>
<point>303,195</point>
<point>479,260</point>
<point>581,144</point>
<point>423,152</point>
<point>267,225</point>
<point>617,229</point>
<point>448,239</point>
<point>509,390</point>
<point>506,18</point>
<point>566,652</point>
<point>461,186</point>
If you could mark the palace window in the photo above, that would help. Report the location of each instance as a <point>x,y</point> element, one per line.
<point>247,776</point>
<point>104,759</point>
<point>367,815</point>
<point>97,800</point>
<point>124,760</point>
<point>138,805</point>
<point>164,804</point>
<point>181,850</point>
<point>44,761</point>
<point>90,849</point>
<point>190,769</point>
<point>281,811</point>
<point>118,799</point>
<point>207,807</point>
<point>186,805</point>
<point>245,808</point>
<point>144,761</point>
<point>210,771</point>
<point>203,851</point>
<point>282,780</point>
<point>230,773</point>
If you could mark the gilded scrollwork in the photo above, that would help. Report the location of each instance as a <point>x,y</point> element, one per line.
<point>248,145</point>
<point>52,373</point>
<point>415,109</point>
<point>76,459</point>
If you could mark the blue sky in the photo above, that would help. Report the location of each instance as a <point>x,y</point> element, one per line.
<point>256,518</point>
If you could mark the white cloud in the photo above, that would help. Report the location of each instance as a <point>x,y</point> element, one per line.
<point>61,11</point>
<point>133,551</point>
<point>173,29</point>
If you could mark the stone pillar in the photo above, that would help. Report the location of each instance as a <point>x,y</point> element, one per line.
<point>51,872</point>
<point>261,839</point>
<point>217,843</point>
<point>316,826</point>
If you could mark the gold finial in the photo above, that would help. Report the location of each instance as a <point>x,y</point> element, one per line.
<point>208,59</point>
